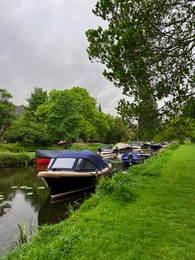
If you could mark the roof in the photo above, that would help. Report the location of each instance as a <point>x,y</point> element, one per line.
<point>48,153</point>
<point>91,156</point>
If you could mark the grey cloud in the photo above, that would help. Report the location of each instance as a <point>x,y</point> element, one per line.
<point>43,43</point>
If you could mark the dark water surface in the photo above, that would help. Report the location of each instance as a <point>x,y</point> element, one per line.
<point>24,197</point>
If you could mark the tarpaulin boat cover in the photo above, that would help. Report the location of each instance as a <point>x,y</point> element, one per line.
<point>91,156</point>
<point>47,153</point>
<point>125,157</point>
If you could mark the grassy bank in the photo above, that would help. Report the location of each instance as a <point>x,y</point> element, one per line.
<point>148,213</point>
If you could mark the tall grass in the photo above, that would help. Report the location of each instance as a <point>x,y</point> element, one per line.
<point>23,237</point>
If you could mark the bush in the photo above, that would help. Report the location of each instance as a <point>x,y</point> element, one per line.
<point>173,146</point>
<point>119,187</point>
<point>193,139</point>
<point>86,146</point>
<point>8,159</point>
<point>15,148</point>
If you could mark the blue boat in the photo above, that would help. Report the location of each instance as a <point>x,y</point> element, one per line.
<point>131,158</point>
<point>71,173</point>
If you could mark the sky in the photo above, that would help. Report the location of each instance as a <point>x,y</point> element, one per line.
<point>43,44</point>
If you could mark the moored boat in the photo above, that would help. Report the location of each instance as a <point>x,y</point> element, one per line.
<point>44,156</point>
<point>131,158</point>
<point>156,147</point>
<point>73,173</point>
<point>121,148</point>
<point>106,152</point>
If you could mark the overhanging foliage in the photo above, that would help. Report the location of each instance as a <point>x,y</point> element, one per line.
<point>148,48</point>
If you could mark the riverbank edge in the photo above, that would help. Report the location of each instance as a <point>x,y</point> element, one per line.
<point>100,229</point>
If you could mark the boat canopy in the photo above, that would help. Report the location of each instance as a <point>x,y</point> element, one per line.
<point>48,153</point>
<point>84,154</point>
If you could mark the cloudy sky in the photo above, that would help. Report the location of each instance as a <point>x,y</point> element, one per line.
<point>43,44</point>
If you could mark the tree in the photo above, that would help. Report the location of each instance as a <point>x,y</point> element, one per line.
<point>147,46</point>
<point>72,114</point>
<point>182,126</point>
<point>191,132</point>
<point>62,118</point>
<point>37,98</point>
<point>26,131</point>
<point>145,116</point>
<point>87,110</point>
<point>6,110</point>
<point>103,124</point>
<point>188,111</point>
<point>119,132</point>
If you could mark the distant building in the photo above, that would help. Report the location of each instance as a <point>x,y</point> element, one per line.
<point>100,108</point>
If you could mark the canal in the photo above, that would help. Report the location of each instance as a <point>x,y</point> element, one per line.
<point>24,198</point>
<point>25,202</point>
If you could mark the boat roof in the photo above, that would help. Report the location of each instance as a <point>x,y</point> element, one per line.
<point>86,154</point>
<point>48,153</point>
<point>91,156</point>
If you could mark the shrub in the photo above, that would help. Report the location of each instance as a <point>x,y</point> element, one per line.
<point>79,146</point>
<point>15,148</point>
<point>193,139</point>
<point>86,146</point>
<point>119,187</point>
<point>173,146</point>
<point>8,159</point>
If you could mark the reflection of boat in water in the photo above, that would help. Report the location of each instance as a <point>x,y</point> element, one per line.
<point>73,173</point>
<point>52,213</point>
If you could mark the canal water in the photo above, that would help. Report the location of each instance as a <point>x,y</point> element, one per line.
<point>25,201</point>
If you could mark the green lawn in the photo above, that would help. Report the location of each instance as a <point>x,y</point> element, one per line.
<point>147,213</point>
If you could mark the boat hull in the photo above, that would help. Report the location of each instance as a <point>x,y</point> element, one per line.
<point>63,185</point>
<point>66,187</point>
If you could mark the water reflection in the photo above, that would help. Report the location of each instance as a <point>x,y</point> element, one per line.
<point>15,211</point>
<point>51,213</point>
<point>24,197</point>
<point>4,208</point>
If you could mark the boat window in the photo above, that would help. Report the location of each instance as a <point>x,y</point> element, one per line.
<point>85,165</point>
<point>63,163</point>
